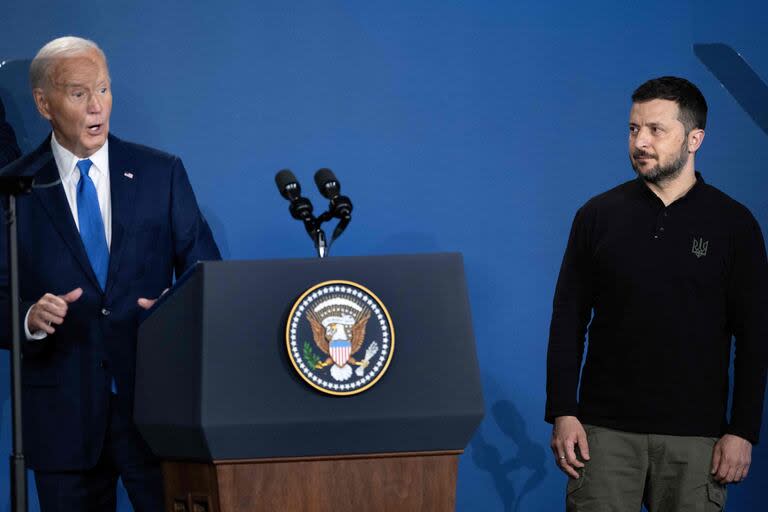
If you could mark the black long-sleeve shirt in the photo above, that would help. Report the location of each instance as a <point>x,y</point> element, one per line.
<point>665,288</point>
<point>9,150</point>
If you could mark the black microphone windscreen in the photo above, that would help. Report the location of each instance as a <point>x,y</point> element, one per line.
<point>283,180</point>
<point>323,177</point>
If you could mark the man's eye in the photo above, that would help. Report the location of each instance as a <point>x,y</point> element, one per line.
<point>103,90</point>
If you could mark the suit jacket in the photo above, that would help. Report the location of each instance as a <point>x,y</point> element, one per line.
<point>157,230</point>
<point>9,150</point>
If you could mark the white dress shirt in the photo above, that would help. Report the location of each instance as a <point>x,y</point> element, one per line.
<point>66,162</point>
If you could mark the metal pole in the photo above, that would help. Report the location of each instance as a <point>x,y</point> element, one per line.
<point>18,465</point>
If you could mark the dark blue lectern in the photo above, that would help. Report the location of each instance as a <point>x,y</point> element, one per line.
<point>218,399</point>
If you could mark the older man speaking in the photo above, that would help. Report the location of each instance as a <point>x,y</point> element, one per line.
<point>100,238</point>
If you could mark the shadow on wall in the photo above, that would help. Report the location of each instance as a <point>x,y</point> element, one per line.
<point>531,457</point>
<point>31,129</point>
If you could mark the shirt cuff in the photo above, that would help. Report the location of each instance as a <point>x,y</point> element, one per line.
<point>37,335</point>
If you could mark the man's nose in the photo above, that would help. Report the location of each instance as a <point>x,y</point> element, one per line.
<point>94,104</point>
<point>642,139</point>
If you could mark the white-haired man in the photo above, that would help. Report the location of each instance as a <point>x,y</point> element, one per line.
<point>100,237</point>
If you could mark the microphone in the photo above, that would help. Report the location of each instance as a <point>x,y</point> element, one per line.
<point>330,188</point>
<point>288,185</point>
<point>340,206</point>
<point>300,208</point>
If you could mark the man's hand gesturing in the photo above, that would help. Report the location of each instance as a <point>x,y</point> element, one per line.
<point>50,310</point>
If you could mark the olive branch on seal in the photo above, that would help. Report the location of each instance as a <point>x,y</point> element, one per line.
<point>309,355</point>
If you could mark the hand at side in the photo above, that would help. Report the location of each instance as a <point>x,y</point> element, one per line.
<point>567,433</point>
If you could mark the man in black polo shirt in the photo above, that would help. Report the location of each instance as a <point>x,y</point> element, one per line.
<point>663,270</point>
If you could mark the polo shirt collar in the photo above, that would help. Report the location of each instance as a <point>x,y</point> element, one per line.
<point>694,191</point>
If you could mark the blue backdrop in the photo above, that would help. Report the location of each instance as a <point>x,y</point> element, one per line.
<point>477,127</point>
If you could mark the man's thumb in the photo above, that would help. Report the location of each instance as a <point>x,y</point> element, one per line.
<point>72,296</point>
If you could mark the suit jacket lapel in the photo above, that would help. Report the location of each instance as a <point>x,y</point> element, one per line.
<point>54,202</point>
<point>123,180</point>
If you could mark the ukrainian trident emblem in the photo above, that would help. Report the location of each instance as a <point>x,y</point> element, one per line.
<point>700,247</point>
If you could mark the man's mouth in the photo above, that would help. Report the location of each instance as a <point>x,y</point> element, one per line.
<point>94,129</point>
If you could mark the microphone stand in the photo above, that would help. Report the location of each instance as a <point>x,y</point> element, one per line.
<point>13,186</point>
<point>320,244</point>
<point>302,210</point>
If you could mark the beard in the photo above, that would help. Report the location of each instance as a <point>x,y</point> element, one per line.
<point>661,173</point>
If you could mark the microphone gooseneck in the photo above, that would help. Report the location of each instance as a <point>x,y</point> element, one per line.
<point>301,208</point>
<point>339,206</point>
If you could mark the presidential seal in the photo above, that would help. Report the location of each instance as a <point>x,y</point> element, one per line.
<point>340,337</point>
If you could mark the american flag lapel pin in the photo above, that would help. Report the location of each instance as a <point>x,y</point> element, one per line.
<point>128,175</point>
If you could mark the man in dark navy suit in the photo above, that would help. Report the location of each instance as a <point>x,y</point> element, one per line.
<point>105,229</point>
<point>9,150</point>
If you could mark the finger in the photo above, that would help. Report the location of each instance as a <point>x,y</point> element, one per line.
<point>72,296</point>
<point>715,460</point>
<point>146,303</point>
<point>48,317</point>
<point>59,308</point>
<point>55,306</point>
<point>39,325</point>
<point>722,473</point>
<point>562,463</point>
<point>583,446</point>
<point>731,476</point>
<point>738,476</point>
<point>570,456</point>
<point>567,469</point>
<point>746,472</point>
<point>559,452</point>
<point>52,302</point>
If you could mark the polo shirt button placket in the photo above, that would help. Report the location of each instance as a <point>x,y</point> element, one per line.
<point>660,224</point>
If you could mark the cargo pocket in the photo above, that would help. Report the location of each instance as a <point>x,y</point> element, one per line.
<point>717,494</point>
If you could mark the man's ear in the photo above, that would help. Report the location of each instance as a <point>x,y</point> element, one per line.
<point>41,102</point>
<point>695,138</point>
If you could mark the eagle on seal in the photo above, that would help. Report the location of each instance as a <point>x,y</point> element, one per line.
<point>340,337</point>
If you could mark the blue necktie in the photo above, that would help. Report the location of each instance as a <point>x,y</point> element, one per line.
<point>91,224</point>
<point>92,229</point>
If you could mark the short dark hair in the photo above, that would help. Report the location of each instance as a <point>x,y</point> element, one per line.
<point>690,101</point>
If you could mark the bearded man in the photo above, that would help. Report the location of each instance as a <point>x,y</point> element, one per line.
<point>662,271</point>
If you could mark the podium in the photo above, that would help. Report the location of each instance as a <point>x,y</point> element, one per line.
<point>238,429</point>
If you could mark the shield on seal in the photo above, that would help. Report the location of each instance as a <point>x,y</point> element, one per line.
<point>340,351</point>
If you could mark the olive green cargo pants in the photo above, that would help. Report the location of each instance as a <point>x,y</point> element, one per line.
<point>627,470</point>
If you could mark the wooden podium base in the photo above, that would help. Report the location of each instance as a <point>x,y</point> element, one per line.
<point>382,482</point>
